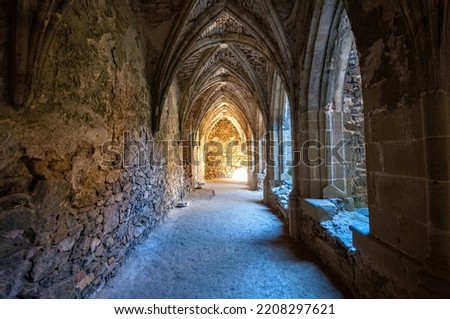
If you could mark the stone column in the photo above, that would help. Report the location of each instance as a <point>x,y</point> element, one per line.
<point>270,153</point>
<point>294,198</point>
<point>312,154</point>
<point>194,157</point>
<point>253,164</point>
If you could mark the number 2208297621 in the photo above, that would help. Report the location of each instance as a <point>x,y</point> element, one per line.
<point>295,309</point>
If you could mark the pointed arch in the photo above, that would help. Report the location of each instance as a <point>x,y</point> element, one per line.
<point>190,34</point>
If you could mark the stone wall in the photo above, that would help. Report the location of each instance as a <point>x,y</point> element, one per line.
<point>77,187</point>
<point>394,79</point>
<point>362,276</point>
<point>404,252</point>
<point>223,163</point>
<point>279,198</point>
<point>4,32</point>
<point>353,109</point>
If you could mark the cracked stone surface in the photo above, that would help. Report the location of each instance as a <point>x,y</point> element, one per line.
<point>224,246</point>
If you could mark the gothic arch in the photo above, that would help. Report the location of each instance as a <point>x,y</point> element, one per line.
<point>32,35</point>
<point>179,50</point>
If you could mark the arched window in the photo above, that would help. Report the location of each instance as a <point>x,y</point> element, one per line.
<point>279,146</point>
<point>332,174</point>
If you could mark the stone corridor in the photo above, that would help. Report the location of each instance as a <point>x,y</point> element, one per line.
<point>224,246</point>
<point>334,112</point>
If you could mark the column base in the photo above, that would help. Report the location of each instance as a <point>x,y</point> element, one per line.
<point>252,181</point>
<point>295,230</point>
<point>267,186</point>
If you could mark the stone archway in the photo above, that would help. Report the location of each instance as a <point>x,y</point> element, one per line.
<point>227,156</point>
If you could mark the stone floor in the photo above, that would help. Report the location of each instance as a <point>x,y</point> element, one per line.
<point>224,245</point>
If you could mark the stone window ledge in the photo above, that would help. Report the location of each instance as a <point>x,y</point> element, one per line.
<point>336,221</point>
<point>279,197</point>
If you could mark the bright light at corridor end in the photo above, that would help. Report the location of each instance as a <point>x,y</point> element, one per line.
<point>240,175</point>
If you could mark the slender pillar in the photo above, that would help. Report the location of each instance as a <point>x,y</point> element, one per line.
<point>271,153</point>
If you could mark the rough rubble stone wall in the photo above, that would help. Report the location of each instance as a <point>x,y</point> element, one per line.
<point>364,278</point>
<point>353,108</point>
<point>279,198</point>
<point>224,164</point>
<point>74,198</point>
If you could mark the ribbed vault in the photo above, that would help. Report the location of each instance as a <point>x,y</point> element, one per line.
<point>223,56</point>
<point>223,51</point>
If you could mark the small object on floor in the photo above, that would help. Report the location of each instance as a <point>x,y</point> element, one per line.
<point>214,194</point>
<point>182,205</point>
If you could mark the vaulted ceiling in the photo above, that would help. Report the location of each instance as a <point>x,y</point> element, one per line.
<point>223,55</point>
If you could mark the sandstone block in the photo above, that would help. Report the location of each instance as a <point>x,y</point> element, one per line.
<point>12,271</point>
<point>62,290</point>
<point>14,177</point>
<point>413,238</point>
<point>12,185</point>
<point>384,225</point>
<point>66,245</point>
<point>49,194</point>
<point>111,218</point>
<point>95,243</point>
<point>44,239</point>
<point>86,281</point>
<point>61,234</point>
<point>45,262</point>
<point>84,197</point>
<point>404,158</point>
<point>112,177</point>
<point>14,201</point>
<point>17,219</point>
